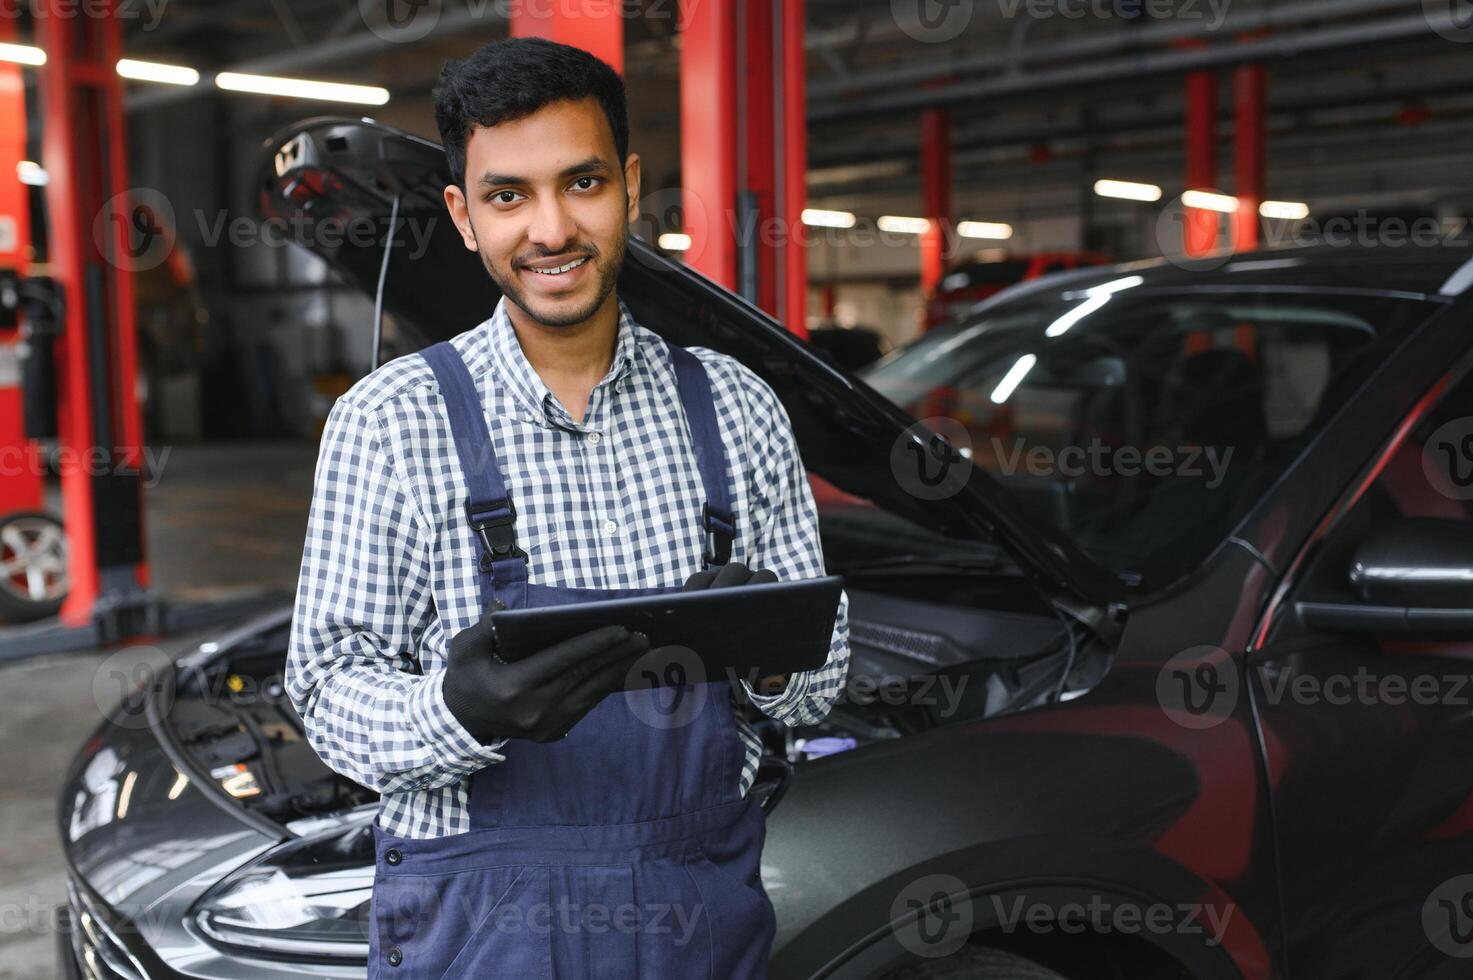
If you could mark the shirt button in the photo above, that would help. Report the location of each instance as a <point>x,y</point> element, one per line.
<point>593,438</point>
<point>395,957</point>
<point>610,527</point>
<point>392,856</point>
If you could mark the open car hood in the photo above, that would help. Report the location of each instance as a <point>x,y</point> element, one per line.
<point>347,171</point>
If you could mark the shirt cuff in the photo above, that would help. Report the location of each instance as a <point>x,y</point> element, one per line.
<point>783,702</point>
<point>454,747</point>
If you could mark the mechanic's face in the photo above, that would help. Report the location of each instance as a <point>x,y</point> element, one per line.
<point>548,190</point>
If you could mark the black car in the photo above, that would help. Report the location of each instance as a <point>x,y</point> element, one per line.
<point>1161,621</point>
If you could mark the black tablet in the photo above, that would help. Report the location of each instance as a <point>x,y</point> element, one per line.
<point>755,630</point>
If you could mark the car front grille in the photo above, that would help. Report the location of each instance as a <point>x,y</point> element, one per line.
<point>97,952</point>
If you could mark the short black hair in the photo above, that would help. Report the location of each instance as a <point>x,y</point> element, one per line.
<point>512,78</point>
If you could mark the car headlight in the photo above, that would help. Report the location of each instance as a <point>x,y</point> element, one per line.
<point>308,898</point>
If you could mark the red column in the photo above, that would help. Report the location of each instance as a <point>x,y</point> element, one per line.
<point>596,26</point>
<point>84,153</point>
<point>20,481</point>
<point>1200,230</point>
<point>935,201</point>
<point>758,86</point>
<point>1249,143</point>
<point>794,166</point>
<point>708,135</point>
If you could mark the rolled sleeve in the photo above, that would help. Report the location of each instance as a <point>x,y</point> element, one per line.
<point>785,539</point>
<point>363,599</point>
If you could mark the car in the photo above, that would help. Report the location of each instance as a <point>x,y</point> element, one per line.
<point>973,280</point>
<point>1115,545</point>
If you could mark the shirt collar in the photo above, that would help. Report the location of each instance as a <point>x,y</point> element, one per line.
<point>526,384</point>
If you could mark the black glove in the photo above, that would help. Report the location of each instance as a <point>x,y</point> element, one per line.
<point>542,696</point>
<point>732,573</point>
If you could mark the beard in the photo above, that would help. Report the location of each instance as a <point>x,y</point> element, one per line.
<point>508,280</point>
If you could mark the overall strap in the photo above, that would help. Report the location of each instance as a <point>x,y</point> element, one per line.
<point>488,504</point>
<point>700,411</point>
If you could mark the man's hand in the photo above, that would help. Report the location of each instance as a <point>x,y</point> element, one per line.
<point>735,573</point>
<point>542,696</point>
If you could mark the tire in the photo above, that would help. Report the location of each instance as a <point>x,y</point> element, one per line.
<point>34,579</point>
<point>976,963</point>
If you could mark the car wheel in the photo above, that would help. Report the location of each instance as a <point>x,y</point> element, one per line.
<point>976,963</point>
<point>33,566</point>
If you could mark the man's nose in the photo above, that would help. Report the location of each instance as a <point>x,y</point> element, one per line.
<point>552,226</point>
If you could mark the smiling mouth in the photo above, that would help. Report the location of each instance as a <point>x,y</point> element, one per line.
<point>559,270</point>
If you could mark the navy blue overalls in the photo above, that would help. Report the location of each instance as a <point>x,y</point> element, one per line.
<point>622,850</point>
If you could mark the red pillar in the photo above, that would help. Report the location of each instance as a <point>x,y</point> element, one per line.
<point>1249,143</point>
<point>84,153</point>
<point>757,86</point>
<point>708,135</point>
<point>596,26</point>
<point>20,483</point>
<point>794,166</point>
<point>935,199</point>
<point>1199,233</point>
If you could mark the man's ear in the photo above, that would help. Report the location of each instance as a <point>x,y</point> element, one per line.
<point>631,182</point>
<point>455,203</point>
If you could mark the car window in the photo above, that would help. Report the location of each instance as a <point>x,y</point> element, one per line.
<point>1146,423</point>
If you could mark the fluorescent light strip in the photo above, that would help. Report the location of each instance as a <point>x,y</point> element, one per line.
<point>1127,190</point>
<point>152,71</point>
<point>1288,210</point>
<point>1209,201</point>
<point>819,218</point>
<point>22,54</point>
<point>907,226</point>
<point>302,88</point>
<point>674,241</point>
<point>984,229</point>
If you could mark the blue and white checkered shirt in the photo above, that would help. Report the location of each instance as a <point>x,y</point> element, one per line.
<point>388,570</point>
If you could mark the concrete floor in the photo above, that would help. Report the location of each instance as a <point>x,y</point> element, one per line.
<point>221,520</point>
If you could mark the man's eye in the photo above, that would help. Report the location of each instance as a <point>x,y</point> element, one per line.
<point>581,179</point>
<point>497,197</point>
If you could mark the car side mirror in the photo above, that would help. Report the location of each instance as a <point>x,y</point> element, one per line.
<point>1414,576</point>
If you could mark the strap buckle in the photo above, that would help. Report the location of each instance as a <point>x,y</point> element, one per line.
<point>494,521</point>
<point>720,530</point>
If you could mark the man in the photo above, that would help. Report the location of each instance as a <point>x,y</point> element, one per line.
<point>536,820</point>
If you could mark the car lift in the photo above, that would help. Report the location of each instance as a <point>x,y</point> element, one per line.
<point>80,312</point>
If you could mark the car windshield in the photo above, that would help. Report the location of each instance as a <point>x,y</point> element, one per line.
<point>1145,422</point>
